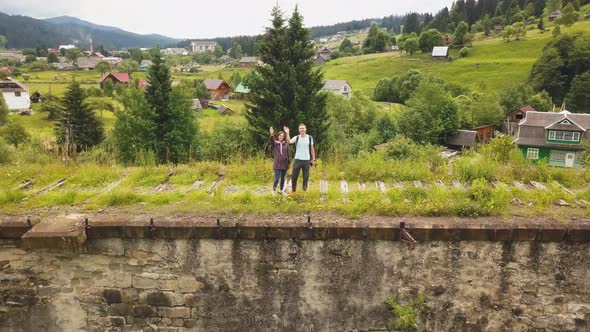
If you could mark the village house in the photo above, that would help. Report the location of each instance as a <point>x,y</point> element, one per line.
<point>340,87</point>
<point>325,52</point>
<point>35,97</point>
<point>242,91</point>
<point>6,70</point>
<point>556,137</point>
<point>67,47</point>
<point>113,60</point>
<point>87,62</point>
<point>174,51</point>
<point>510,125</point>
<point>202,46</point>
<point>463,139</point>
<point>145,65</point>
<point>321,59</point>
<point>54,51</point>
<point>249,61</point>
<point>12,56</point>
<point>116,78</point>
<point>15,94</point>
<point>226,59</point>
<point>484,133</point>
<point>218,88</point>
<point>554,15</point>
<point>440,53</point>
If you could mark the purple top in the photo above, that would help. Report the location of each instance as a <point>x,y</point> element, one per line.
<point>280,154</point>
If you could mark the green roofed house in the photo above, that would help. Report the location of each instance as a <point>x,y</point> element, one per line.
<point>242,91</point>
<point>556,137</point>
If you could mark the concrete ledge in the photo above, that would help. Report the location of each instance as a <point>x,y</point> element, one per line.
<point>71,232</point>
<point>57,233</point>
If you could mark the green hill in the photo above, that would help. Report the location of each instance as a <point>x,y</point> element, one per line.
<point>492,63</point>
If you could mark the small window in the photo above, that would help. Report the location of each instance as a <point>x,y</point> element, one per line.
<point>345,88</point>
<point>576,136</point>
<point>532,153</point>
<point>568,136</point>
<point>519,116</point>
<point>17,93</point>
<point>551,135</point>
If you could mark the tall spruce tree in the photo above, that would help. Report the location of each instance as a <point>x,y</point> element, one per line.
<point>175,123</point>
<point>286,90</point>
<point>78,120</point>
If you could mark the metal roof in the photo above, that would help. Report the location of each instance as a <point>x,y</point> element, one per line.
<point>335,84</point>
<point>440,51</point>
<point>464,138</point>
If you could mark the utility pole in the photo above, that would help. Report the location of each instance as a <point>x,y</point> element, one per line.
<point>68,134</point>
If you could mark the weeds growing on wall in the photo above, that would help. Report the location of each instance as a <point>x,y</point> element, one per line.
<point>406,317</point>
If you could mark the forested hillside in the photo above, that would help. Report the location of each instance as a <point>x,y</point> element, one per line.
<point>27,32</point>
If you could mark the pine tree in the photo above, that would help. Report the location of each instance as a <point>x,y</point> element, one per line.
<point>157,93</point>
<point>286,90</point>
<point>175,123</point>
<point>85,130</point>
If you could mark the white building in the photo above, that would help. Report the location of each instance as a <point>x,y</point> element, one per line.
<point>67,47</point>
<point>174,51</point>
<point>202,46</point>
<point>340,87</point>
<point>15,94</point>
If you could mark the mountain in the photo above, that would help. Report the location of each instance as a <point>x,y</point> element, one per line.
<point>77,21</point>
<point>28,32</point>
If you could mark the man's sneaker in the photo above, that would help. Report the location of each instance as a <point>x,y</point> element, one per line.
<point>292,194</point>
<point>303,193</point>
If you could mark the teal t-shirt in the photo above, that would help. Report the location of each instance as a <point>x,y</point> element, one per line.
<point>302,147</point>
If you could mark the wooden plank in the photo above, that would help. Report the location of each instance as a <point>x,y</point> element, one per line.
<point>380,185</point>
<point>440,184</point>
<point>538,185</point>
<point>362,186</point>
<point>196,185</point>
<point>215,185</point>
<point>520,185</point>
<point>50,187</point>
<point>458,185</point>
<point>344,190</point>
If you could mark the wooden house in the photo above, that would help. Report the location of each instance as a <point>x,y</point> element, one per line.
<point>556,137</point>
<point>249,61</point>
<point>510,125</point>
<point>116,78</point>
<point>463,139</point>
<point>218,88</point>
<point>15,94</point>
<point>340,87</point>
<point>35,97</point>
<point>554,15</point>
<point>484,133</point>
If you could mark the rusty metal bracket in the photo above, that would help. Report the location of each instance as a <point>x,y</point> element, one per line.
<point>86,224</point>
<point>405,236</point>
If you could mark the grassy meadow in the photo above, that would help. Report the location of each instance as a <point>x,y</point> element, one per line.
<point>493,64</point>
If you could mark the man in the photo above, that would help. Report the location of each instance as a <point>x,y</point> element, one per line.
<point>304,157</point>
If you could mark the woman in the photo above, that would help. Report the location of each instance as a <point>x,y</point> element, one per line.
<point>281,158</point>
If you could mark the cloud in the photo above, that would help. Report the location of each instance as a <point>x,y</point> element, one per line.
<point>197,19</point>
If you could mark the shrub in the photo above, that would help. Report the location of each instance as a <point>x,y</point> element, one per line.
<point>464,52</point>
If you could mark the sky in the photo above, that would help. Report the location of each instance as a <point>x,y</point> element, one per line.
<point>208,19</point>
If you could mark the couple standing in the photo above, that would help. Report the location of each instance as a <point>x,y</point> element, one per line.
<point>304,157</point>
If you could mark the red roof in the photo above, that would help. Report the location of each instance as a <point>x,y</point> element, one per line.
<point>6,70</point>
<point>143,83</point>
<point>121,77</point>
<point>527,108</point>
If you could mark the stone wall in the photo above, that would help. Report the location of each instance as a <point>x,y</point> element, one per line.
<point>133,284</point>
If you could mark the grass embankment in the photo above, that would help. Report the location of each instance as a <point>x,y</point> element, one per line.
<point>493,63</point>
<point>486,188</point>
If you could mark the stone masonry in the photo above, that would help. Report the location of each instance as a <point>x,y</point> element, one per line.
<point>134,284</point>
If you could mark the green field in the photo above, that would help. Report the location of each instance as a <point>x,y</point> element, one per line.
<point>493,63</point>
